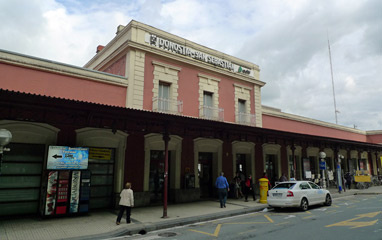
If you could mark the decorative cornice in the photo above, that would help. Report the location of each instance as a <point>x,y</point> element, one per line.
<point>165,65</point>
<point>374,132</point>
<point>208,77</point>
<point>242,86</point>
<point>60,68</point>
<point>268,111</point>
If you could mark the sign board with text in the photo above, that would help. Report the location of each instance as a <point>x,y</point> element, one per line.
<point>66,158</point>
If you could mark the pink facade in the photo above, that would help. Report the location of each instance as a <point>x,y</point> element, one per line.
<point>51,84</point>
<point>188,89</point>
<point>377,138</point>
<point>118,67</point>
<point>287,125</point>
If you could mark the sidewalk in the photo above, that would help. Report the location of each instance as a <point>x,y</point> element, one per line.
<point>101,224</point>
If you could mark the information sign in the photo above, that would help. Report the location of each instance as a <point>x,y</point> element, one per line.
<point>62,157</point>
<point>322,165</point>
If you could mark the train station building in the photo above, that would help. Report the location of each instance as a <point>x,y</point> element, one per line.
<point>149,94</point>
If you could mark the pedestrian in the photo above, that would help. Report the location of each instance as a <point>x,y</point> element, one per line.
<point>238,187</point>
<point>269,183</point>
<point>223,187</point>
<point>348,180</point>
<point>249,189</point>
<point>283,178</point>
<point>343,182</point>
<point>126,203</point>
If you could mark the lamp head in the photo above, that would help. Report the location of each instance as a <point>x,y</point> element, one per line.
<point>5,138</point>
<point>322,154</point>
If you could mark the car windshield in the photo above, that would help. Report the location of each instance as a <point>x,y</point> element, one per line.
<point>287,185</point>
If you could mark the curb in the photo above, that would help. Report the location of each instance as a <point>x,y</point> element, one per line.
<point>186,221</point>
<point>191,220</point>
<point>365,193</point>
<point>142,228</point>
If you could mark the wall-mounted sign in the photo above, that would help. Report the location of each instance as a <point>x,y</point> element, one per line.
<point>100,153</point>
<point>189,52</point>
<point>61,157</point>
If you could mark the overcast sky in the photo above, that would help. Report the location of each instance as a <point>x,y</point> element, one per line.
<point>287,39</point>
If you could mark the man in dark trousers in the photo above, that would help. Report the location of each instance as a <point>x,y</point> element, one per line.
<point>222,186</point>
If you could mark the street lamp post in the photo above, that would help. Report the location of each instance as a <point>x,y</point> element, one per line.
<point>166,139</point>
<point>339,177</point>
<point>323,167</point>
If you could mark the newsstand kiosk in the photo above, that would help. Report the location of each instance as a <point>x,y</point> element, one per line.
<point>67,181</point>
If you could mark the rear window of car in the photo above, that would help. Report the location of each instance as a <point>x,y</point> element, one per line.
<point>284,186</point>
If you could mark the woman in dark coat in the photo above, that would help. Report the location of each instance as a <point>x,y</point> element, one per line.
<point>249,189</point>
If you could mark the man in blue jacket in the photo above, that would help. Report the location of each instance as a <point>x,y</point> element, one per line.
<point>222,186</point>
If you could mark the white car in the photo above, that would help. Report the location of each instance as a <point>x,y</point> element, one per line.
<point>300,194</point>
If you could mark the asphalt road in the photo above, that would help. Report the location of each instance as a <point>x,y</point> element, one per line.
<point>353,217</point>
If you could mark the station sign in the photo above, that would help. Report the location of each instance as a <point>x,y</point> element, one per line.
<point>173,47</point>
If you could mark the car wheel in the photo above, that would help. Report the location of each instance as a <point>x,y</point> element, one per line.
<point>328,200</point>
<point>304,204</point>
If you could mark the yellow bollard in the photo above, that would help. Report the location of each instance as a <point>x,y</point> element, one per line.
<point>263,189</point>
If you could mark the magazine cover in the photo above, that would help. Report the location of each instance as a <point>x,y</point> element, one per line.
<point>75,191</point>
<point>51,193</point>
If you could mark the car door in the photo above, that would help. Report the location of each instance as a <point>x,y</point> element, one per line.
<point>306,191</point>
<point>317,193</point>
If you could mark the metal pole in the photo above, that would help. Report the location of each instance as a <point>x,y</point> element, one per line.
<point>339,177</point>
<point>294,162</point>
<point>331,71</point>
<point>323,179</point>
<point>166,139</point>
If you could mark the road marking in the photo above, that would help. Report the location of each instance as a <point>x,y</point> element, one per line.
<point>290,216</point>
<point>247,231</point>
<point>333,211</point>
<point>269,219</point>
<point>282,223</point>
<point>218,227</point>
<point>310,216</point>
<point>266,216</point>
<point>216,233</point>
<point>321,209</point>
<point>350,223</point>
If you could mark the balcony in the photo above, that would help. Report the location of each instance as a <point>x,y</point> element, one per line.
<point>246,119</point>
<point>211,113</point>
<point>167,106</point>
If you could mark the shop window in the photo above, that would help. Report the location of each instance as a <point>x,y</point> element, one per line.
<point>313,168</point>
<point>292,166</point>
<point>20,179</point>
<point>156,178</point>
<point>205,174</point>
<point>101,166</point>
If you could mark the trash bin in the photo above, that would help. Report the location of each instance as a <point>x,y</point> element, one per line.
<point>263,189</point>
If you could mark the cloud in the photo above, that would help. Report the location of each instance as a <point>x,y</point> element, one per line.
<point>287,39</point>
